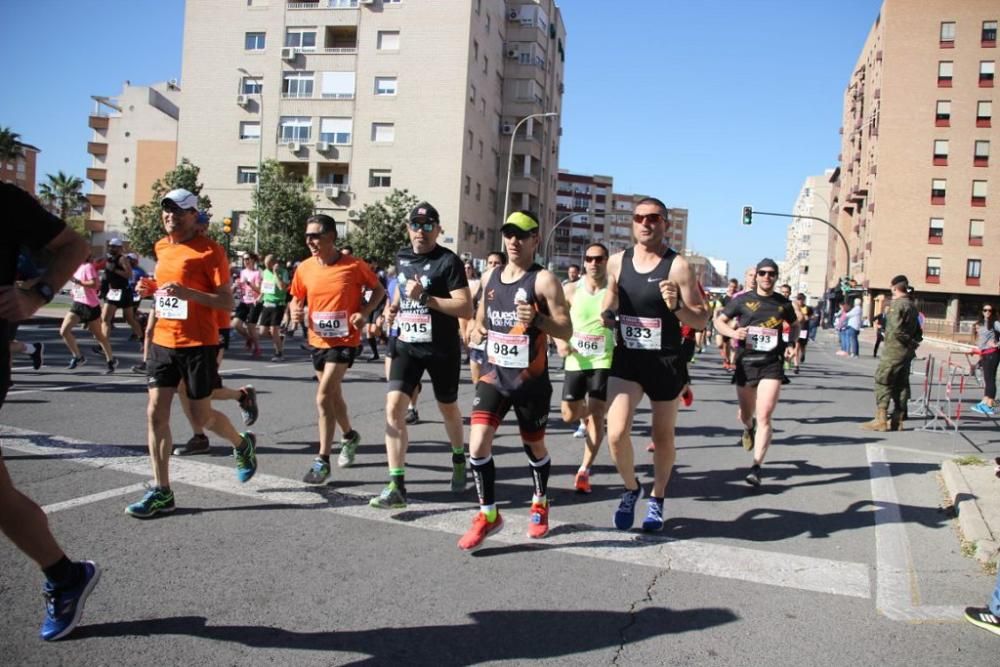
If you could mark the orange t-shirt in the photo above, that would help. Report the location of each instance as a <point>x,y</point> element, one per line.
<point>334,292</point>
<point>202,265</point>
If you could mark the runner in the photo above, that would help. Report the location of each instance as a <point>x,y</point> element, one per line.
<point>67,583</point>
<point>653,290</point>
<point>587,358</point>
<point>333,283</point>
<point>191,281</point>
<point>433,292</point>
<point>274,295</point>
<point>477,351</point>
<point>759,371</point>
<point>117,274</point>
<point>522,303</point>
<point>248,310</point>
<point>86,310</point>
<point>722,342</point>
<point>807,315</point>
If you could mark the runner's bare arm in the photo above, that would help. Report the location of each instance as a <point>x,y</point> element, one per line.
<point>69,250</point>
<point>562,346</point>
<point>477,332</point>
<point>611,293</point>
<point>722,326</point>
<point>295,312</point>
<point>378,292</point>
<point>557,323</point>
<point>458,304</point>
<point>692,310</point>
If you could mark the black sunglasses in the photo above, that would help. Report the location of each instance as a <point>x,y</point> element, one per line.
<point>764,274</point>
<point>425,226</point>
<point>518,234</point>
<point>652,218</point>
<point>593,258</point>
<point>174,208</point>
<point>315,236</point>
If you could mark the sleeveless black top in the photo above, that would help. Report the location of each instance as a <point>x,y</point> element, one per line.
<point>640,304</point>
<point>504,349</point>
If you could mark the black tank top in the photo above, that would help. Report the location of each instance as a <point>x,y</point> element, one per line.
<point>115,281</point>
<point>511,366</point>
<point>643,315</point>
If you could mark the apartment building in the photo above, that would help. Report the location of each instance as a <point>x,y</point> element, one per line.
<point>133,143</point>
<point>917,190</point>
<point>809,244</point>
<point>705,271</point>
<point>365,96</point>
<point>21,171</point>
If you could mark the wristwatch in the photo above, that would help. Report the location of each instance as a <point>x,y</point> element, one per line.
<point>43,290</point>
<point>423,298</point>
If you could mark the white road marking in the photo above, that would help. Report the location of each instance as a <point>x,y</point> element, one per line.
<point>66,387</point>
<point>896,592</point>
<point>93,498</point>
<point>690,556</point>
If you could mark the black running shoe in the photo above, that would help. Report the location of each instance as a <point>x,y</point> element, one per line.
<point>139,367</point>
<point>112,365</point>
<point>412,416</point>
<point>753,477</point>
<point>198,444</point>
<point>38,356</point>
<point>248,405</point>
<point>76,361</point>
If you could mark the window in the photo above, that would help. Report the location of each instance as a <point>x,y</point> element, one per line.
<point>936,232</point>
<point>254,41</point>
<point>987,69</point>
<point>480,149</point>
<point>491,200</point>
<point>246,174</point>
<point>940,151</point>
<point>297,84</point>
<point>488,23</point>
<point>475,51</point>
<point>335,130</point>
<point>472,93</point>
<point>338,85</point>
<point>979,193</point>
<point>945,70</point>
<point>989,37</point>
<point>942,116</point>
<point>251,86</point>
<point>385,85</point>
<point>379,178</point>
<point>486,64</point>
<point>383,132</point>
<point>479,191</point>
<point>984,113</point>
<point>295,128</point>
<point>468,185</point>
<point>939,187</point>
<point>933,269</point>
<point>947,38</point>
<point>250,130</point>
<point>303,39</point>
<point>973,271</point>
<point>388,40</point>
<point>981,153</point>
<point>976,228</point>
<point>482,106</point>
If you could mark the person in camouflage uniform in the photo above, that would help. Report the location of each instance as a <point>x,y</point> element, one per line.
<point>902,336</point>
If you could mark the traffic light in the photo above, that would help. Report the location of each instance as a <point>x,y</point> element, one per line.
<point>845,285</point>
<point>747,215</point>
<point>227,226</point>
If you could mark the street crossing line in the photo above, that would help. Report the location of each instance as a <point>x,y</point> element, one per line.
<point>94,498</point>
<point>689,556</point>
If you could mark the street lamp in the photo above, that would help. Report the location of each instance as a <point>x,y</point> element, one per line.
<point>510,162</point>
<point>260,155</point>
<point>548,237</point>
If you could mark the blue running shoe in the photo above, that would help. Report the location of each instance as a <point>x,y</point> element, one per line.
<point>625,514</point>
<point>156,501</point>
<point>654,515</point>
<point>63,608</point>
<point>246,458</point>
<point>983,409</point>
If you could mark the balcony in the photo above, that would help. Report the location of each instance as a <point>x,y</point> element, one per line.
<point>323,4</point>
<point>96,200</point>
<point>96,226</point>
<point>97,148</point>
<point>97,174</point>
<point>98,122</point>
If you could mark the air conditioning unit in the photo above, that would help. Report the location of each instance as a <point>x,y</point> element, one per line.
<point>242,100</point>
<point>513,14</point>
<point>513,50</point>
<point>294,146</point>
<point>353,214</point>
<point>288,53</point>
<point>507,128</point>
<point>323,146</point>
<point>331,191</point>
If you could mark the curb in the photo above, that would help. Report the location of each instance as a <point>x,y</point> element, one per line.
<point>970,518</point>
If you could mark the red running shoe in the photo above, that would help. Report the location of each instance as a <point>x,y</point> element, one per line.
<point>582,482</point>
<point>538,520</point>
<point>480,529</point>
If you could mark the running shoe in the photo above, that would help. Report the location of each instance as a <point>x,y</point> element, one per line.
<point>796,370</point>
<point>625,514</point>
<point>139,367</point>
<point>348,448</point>
<point>749,435</point>
<point>97,349</point>
<point>277,358</point>
<point>538,520</point>
<point>458,477</point>
<point>412,416</point>
<point>318,473</point>
<point>390,498</point>
<point>38,356</point>
<point>77,361</point>
<point>111,366</point>
<point>651,447</point>
<point>154,502</point>
<point>248,405</point>
<point>246,458</point>
<point>581,431</point>
<point>480,530</point>
<point>582,482</point>
<point>983,409</point>
<point>753,477</point>
<point>256,350</point>
<point>982,617</point>
<point>654,516</point>
<point>63,607</point>
<point>198,444</point>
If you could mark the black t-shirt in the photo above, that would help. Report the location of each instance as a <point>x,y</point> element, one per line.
<point>440,272</point>
<point>764,315</point>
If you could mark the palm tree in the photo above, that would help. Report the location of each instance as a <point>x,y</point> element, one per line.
<point>62,192</point>
<point>10,145</point>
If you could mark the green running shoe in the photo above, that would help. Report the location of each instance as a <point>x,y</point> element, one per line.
<point>246,458</point>
<point>390,498</point>
<point>318,473</point>
<point>155,502</point>
<point>458,477</point>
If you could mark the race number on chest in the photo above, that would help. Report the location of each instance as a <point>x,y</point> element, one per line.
<point>761,339</point>
<point>641,333</point>
<point>169,307</point>
<point>588,345</point>
<point>331,324</point>
<point>508,350</point>
<point>414,327</point>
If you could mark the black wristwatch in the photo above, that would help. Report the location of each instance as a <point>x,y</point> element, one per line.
<point>423,298</point>
<point>43,290</point>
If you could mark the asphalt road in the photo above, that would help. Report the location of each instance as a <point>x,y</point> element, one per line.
<point>844,556</point>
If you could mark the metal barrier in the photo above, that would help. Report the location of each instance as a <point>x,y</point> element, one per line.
<point>944,411</point>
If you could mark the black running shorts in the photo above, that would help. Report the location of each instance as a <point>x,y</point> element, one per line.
<point>196,366</point>
<point>248,313</point>
<point>531,405</point>
<point>321,356</point>
<point>749,374</point>
<point>443,365</point>
<point>659,376</point>
<point>85,313</point>
<point>271,315</point>
<point>577,385</point>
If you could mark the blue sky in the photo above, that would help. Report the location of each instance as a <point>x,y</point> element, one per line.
<point>708,105</point>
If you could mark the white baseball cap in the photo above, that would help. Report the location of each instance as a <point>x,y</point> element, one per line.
<point>115,241</point>
<point>182,198</point>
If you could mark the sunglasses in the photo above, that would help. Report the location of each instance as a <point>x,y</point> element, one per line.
<point>767,274</point>
<point>174,208</point>
<point>518,234</point>
<point>311,236</point>
<point>651,218</point>
<point>423,226</point>
<point>987,310</point>
<point>593,258</point>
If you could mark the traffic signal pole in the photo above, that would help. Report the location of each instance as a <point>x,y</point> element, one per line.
<point>847,250</point>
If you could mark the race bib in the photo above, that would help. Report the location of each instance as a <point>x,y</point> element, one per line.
<point>79,293</point>
<point>803,334</point>
<point>414,327</point>
<point>267,287</point>
<point>641,333</point>
<point>588,345</point>
<point>169,307</point>
<point>507,350</point>
<point>114,295</point>
<point>760,339</point>
<point>331,324</point>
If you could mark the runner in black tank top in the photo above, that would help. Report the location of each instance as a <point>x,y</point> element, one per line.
<point>654,291</point>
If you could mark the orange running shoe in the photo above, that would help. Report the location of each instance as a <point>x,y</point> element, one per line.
<point>538,520</point>
<point>481,527</point>
<point>582,482</point>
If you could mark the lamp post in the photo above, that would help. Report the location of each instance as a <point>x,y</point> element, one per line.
<point>510,161</point>
<point>548,237</point>
<point>260,156</point>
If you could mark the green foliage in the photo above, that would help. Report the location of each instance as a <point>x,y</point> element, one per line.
<point>63,193</point>
<point>78,223</point>
<point>281,205</point>
<point>10,144</point>
<point>381,229</point>
<point>146,226</point>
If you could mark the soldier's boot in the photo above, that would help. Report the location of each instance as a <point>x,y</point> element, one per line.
<point>880,423</point>
<point>896,420</point>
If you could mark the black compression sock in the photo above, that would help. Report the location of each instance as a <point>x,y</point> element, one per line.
<point>63,573</point>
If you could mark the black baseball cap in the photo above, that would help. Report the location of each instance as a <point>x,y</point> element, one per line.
<point>767,263</point>
<point>425,211</point>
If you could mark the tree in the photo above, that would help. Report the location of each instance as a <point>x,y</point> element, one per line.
<point>381,228</point>
<point>64,193</point>
<point>281,203</point>
<point>146,226</point>
<point>10,145</point>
